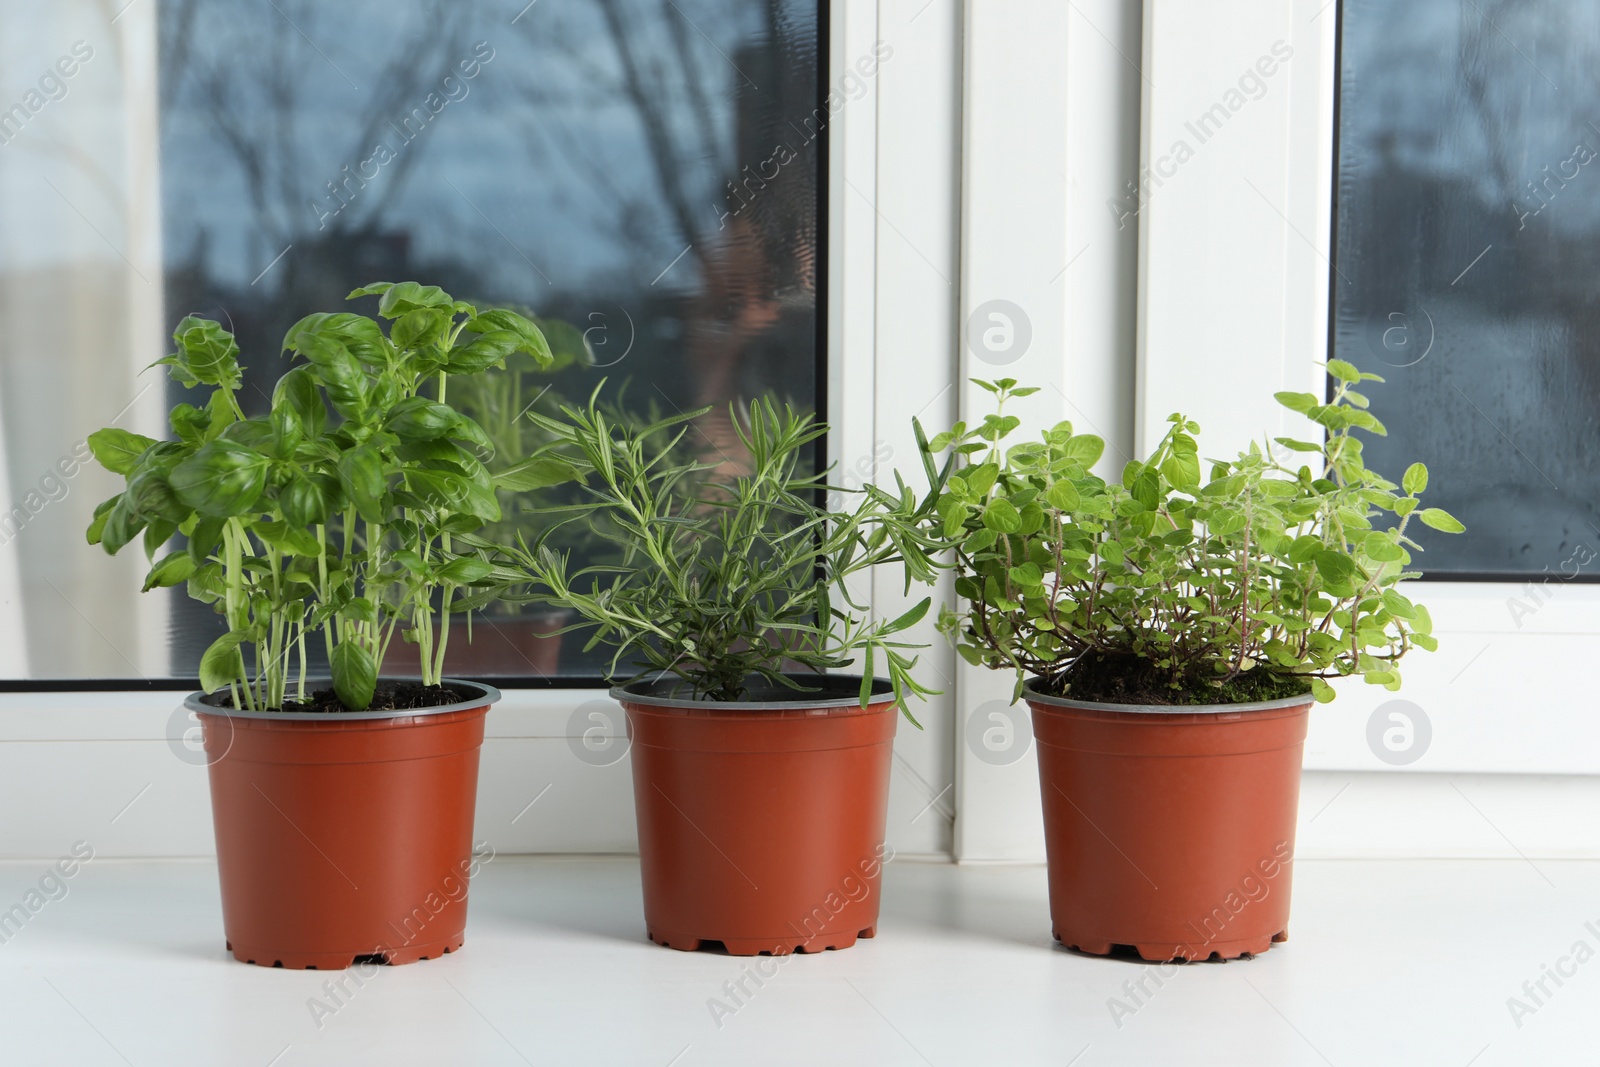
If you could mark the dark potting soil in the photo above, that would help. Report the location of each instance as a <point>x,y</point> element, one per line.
<point>1132,680</point>
<point>389,696</point>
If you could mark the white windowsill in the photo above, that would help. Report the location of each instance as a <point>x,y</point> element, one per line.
<point>1387,963</point>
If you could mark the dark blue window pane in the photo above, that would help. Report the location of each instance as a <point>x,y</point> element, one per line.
<point>1468,209</point>
<point>641,170</point>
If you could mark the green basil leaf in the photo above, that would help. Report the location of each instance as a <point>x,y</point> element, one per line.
<point>467,429</point>
<point>361,336</point>
<point>190,423</point>
<point>536,474</point>
<point>102,513</point>
<point>488,350</point>
<point>339,372</point>
<point>308,500</point>
<point>122,525</point>
<point>156,535</point>
<point>173,570</point>
<point>297,392</point>
<point>465,571</point>
<point>361,476</point>
<point>219,666</point>
<point>531,339</point>
<point>404,297</point>
<point>355,676</point>
<point>424,326</point>
<point>118,451</point>
<point>258,435</point>
<point>205,538</point>
<point>222,479</point>
<point>417,418</point>
<point>207,355</point>
<point>293,540</point>
<point>362,609</point>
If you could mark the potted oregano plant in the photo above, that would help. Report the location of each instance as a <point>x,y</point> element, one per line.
<point>323,531</point>
<point>1170,632</point>
<point>760,781</point>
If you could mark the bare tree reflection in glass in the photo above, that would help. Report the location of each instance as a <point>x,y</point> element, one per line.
<point>731,136</point>
<point>613,164</point>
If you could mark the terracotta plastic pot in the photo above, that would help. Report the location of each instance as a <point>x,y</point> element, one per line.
<point>761,823</point>
<point>1170,830</point>
<point>344,836</point>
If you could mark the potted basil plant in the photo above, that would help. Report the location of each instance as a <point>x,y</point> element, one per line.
<point>326,526</point>
<point>1170,632</point>
<point>760,782</point>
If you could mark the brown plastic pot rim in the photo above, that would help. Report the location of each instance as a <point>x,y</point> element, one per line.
<point>1032,694</point>
<point>489,695</point>
<point>828,691</point>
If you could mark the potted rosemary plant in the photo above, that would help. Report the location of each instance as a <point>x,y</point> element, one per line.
<point>326,526</point>
<point>1170,631</point>
<point>760,782</point>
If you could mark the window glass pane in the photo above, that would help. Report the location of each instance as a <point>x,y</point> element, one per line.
<point>644,173</point>
<point>1468,205</point>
